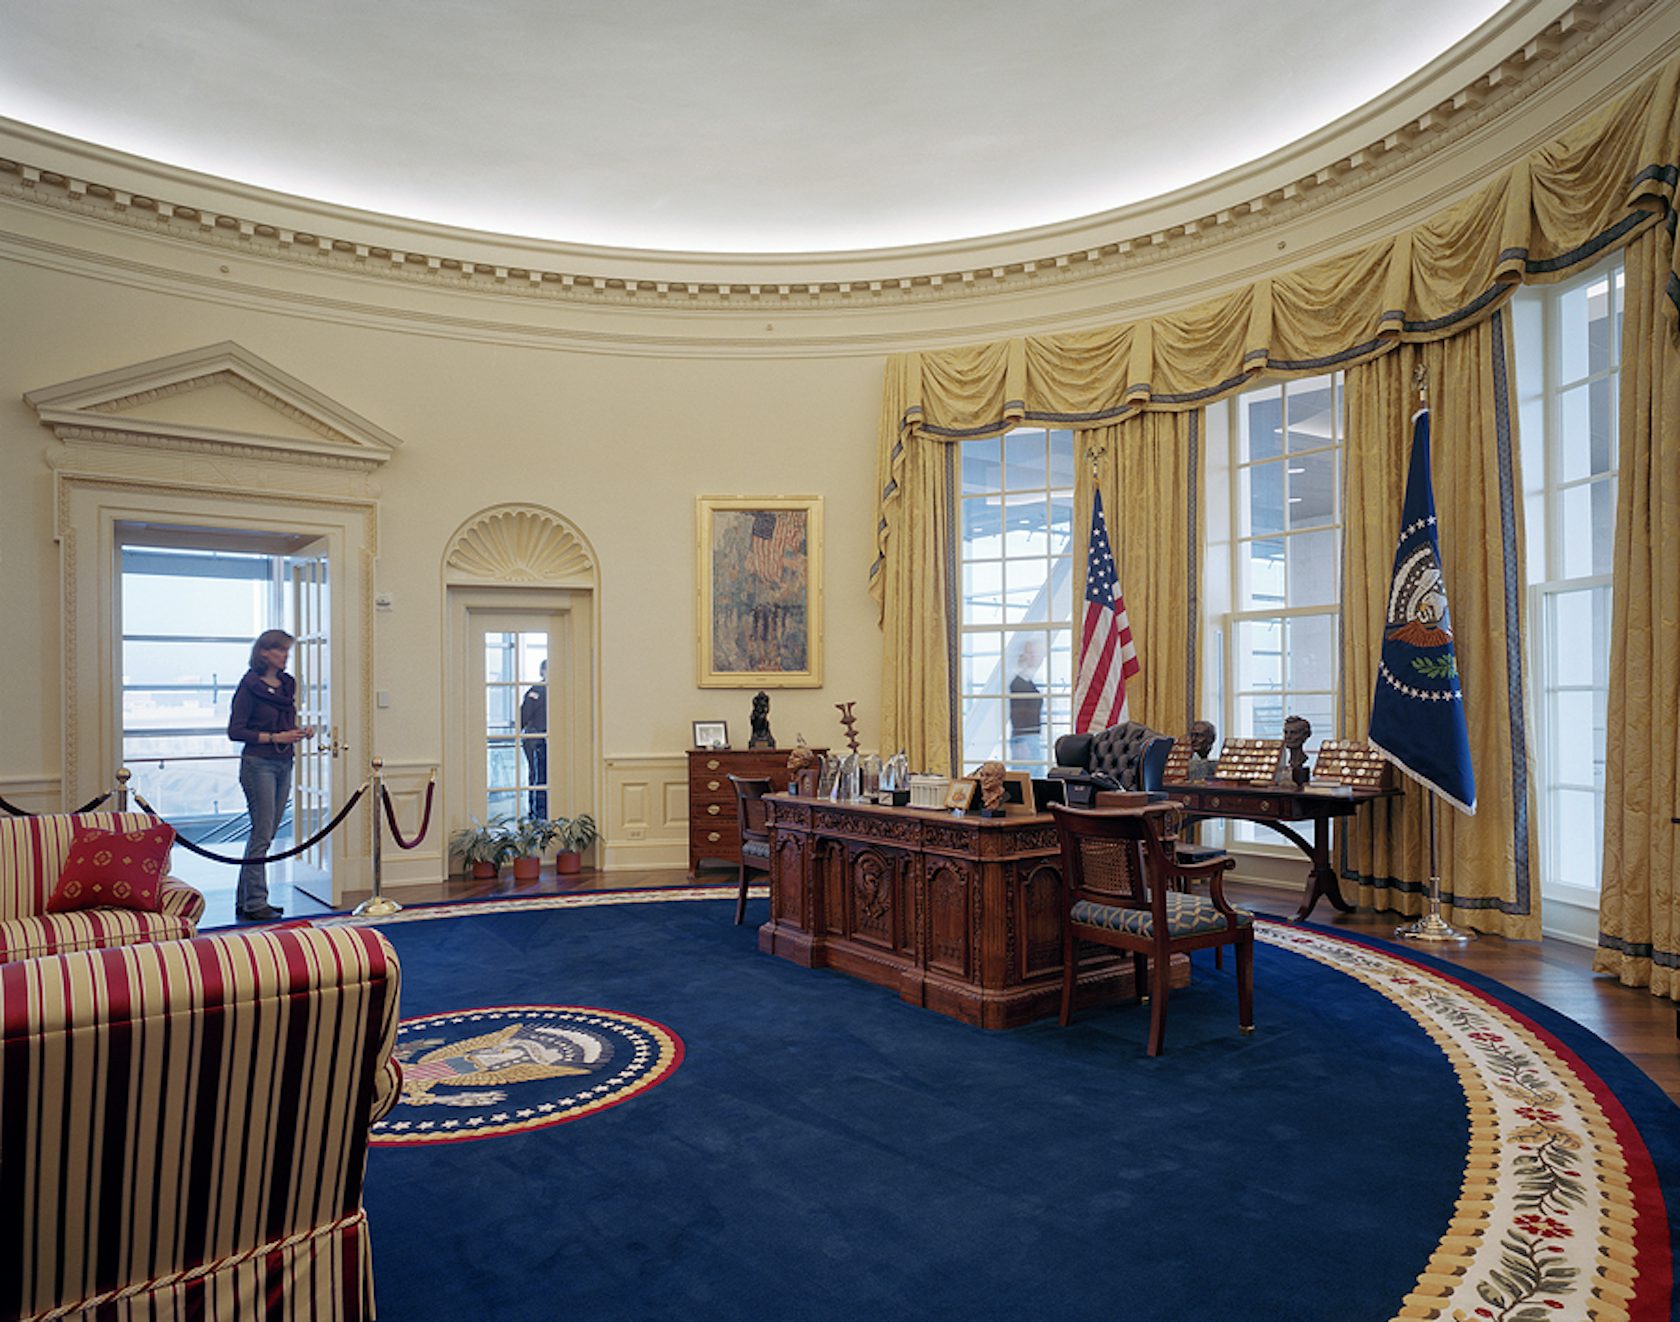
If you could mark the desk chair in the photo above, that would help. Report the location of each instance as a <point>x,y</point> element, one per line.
<point>755,838</point>
<point>1118,876</point>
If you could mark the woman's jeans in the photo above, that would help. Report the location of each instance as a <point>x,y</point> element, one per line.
<point>267,782</point>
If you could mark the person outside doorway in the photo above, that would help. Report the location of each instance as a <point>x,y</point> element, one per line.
<point>533,725</point>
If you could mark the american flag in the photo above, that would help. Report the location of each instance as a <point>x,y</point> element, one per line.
<point>773,536</point>
<point>1107,658</point>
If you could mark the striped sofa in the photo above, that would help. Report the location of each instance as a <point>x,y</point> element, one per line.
<point>32,853</point>
<point>184,1127</point>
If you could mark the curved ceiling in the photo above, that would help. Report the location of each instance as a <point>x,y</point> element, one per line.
<point>742,126</point>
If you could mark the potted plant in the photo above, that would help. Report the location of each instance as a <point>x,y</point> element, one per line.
<point>530,836</point>
<point>570,837</point>
<point>483,846</point>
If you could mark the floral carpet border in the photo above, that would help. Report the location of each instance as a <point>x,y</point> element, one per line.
<point>1559,1215</point>
<point>570,900</point>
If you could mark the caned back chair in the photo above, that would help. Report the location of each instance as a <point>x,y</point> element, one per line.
<point>1122,887</point>
<point>755,836</point>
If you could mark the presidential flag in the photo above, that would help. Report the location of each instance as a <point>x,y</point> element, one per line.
<point>1107,658</point>
<point>1417,716</point>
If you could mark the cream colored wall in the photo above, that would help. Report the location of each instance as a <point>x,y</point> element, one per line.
<point>619,445</point>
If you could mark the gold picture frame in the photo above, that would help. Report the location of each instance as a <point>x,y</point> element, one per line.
<point>760,597</point>
<point>959,795</point>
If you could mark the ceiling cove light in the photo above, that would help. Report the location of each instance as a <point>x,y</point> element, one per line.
<point>829,125</point>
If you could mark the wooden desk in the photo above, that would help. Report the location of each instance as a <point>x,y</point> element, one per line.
<point>1273,805</point>
<point>962,915</point>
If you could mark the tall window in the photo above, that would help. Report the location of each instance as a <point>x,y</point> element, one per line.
<point>1568,357</point>
<point>1283,633</point>
<point>1015,544</point>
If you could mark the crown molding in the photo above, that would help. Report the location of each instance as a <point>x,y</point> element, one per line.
<point>1398,137</point>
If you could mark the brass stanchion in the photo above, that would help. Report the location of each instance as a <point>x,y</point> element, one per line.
<point>124,775</point>
<point>377,905</point>
<point>1433,927</point>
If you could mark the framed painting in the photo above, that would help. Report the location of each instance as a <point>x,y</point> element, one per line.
<point>760,607</point>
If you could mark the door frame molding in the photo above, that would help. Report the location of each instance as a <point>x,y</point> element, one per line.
<point>91,508</point>
<point>519,557</point>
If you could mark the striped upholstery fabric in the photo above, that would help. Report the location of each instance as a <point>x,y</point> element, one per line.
<point>32,853</point>
<point>1187,915</point>
<point>755,849</point>
<point>184,1124</point>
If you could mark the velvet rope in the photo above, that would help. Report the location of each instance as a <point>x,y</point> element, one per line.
<point>89,806</point>
<point>425,817</point>
<point>293,852</point>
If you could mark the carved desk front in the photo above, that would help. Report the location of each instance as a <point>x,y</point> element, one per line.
<point>962,915</point>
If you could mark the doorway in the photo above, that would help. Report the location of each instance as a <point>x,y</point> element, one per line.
<point>190,600</point>
<point>520,704</point>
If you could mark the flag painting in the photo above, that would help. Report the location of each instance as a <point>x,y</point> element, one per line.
<point>1107,657</point>
<point>1417,715</point>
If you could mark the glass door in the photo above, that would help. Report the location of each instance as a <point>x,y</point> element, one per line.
<point>512,652</point>
<point>308,610</point>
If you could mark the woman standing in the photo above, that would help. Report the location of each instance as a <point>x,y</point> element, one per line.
<point>264,719</point>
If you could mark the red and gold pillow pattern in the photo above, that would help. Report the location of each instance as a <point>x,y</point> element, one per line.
<point>114,870</point>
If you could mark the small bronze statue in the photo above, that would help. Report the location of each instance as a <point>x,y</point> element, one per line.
<point>849,721</point>
<point>1202,736</point>
<point>761,736</point>
<point>990,777</point>
<point>1296,731</point>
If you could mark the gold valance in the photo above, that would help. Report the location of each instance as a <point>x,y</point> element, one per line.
<point>1561,207</point>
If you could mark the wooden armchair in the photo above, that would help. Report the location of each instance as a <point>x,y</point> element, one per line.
<point>1120,878</point>
<point>755,837</point>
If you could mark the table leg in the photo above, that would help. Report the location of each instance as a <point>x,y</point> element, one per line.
<point>1323,880</point>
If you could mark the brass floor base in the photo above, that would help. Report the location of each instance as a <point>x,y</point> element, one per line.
<point>1434,928</point>
<point>379,906</point>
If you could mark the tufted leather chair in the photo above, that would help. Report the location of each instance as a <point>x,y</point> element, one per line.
<point>1127,752</point>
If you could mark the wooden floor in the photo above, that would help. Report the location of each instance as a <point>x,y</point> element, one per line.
<point>1641,1026</point>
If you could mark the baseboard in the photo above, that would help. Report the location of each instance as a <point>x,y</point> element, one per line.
<point>637,855</point>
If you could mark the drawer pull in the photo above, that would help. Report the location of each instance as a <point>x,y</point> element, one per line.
<point>713,836</point>
<point>713,809</point>
<point>712,764</point>
<point>711,784</point>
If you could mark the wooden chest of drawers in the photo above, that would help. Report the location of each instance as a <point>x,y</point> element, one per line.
<point>713,831</point>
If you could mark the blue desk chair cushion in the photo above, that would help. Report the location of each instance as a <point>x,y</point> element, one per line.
<point>1187,915</point>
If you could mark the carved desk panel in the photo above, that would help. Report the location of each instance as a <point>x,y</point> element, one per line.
<point>962,915</point>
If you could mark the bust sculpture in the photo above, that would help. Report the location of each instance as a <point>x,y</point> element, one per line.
<point>1202,736</point>
<point>990,777</point>
<point>1296,731</point>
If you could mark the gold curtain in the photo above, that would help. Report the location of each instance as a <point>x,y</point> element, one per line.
<point>1597,186</point>
<point>1148,474</point>
<point>1639,908</point>
<point>917,654</point>
<point>1489,861</point>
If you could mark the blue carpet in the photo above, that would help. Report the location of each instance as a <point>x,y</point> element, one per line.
<point>827,1151</point>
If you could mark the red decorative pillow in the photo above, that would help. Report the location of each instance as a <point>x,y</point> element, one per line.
<point>114,870</point>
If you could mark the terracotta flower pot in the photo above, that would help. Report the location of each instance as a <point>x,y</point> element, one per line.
<point>527,868</point>
<point>484,871</point>
<point>568,861</point>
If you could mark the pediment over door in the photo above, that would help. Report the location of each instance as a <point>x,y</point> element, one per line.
<point>222,400</point>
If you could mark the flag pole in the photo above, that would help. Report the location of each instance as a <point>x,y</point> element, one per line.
<point>1432,927</point>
